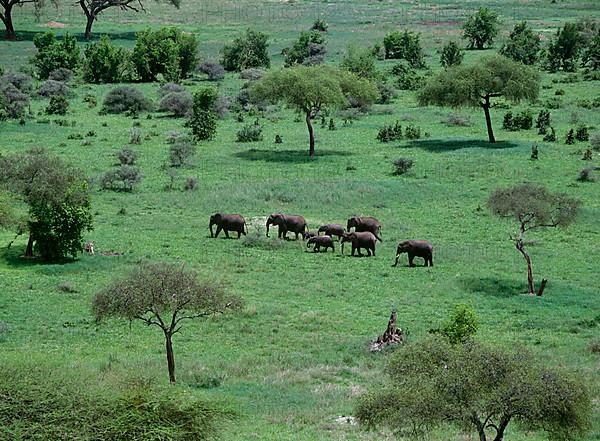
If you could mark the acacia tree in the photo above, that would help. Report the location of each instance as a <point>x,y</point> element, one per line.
<point>475,387</point>
<point>313,89</point>
<point>523,44</point>
<point>58,200</point>
<point>6,8</point>
<point>476,85</point>
<point>93,8</point>
<point>533,207</point>
<point>162,295</point>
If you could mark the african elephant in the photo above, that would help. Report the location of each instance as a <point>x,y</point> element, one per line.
<point>361,224</point>
<point>321,241</point>
<point>285,223</point>
<point>415,248</point>
<point>227,223</point>
<point>308,235</point>
<point>361,239</point>
<point>332,230</point>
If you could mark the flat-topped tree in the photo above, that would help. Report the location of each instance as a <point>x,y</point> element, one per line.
<point>93,8</point>
<point>476,85</point>
<point>163,295</point>
<point>533,207</point>
<point>313,89</point>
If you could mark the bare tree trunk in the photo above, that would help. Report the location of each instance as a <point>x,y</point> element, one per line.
<point>88,26</point>
<point>311,135</point>
<point>521,247</point>
<point>29,249</point>
<point>488,120</point>
<point>170,356</point>
<point>542,287</point>
<point>6,18</point>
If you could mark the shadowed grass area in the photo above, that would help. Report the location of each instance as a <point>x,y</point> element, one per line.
<point>289,156</point>
<point>445,145</point>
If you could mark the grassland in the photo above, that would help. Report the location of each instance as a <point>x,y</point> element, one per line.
<point>296,357</point>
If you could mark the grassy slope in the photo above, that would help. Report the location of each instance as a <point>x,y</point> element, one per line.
<point>296,357</point>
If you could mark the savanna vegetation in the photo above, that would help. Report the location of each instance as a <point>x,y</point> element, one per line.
<point>128,128</point>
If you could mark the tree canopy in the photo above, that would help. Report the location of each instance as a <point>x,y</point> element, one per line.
<point>523,44</point>
<point>475,387</point>
<point>58,200</point>
<point>162,295</point>
<point>475,85</point>
<point>481,28</point>
<point>312,89</point>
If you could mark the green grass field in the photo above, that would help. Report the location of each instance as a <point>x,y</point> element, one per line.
<point>296,357</point>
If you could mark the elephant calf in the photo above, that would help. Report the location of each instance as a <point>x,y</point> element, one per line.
<point>415,248</point>
<point>332,230</point>
<point>321,241</point>
<point>227,223</point>
<point>362,239</point>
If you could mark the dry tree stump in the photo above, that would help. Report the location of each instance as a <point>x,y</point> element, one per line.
<point>392,335</point>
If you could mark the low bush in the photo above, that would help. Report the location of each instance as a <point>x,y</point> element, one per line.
<point>179,104</point>
<point>402,165</point>
<point>595,141</point>
<point>250,133</point>
<point>190,184</point>
<point>391,132</point>
<point>58,105</point>
<point>135,136</point>
<point>126,99</point>
<point>570,138</point>
<point>582,134</point>
<point>413,132</point>
<point>551,136</point>
<point>181,152</point>
<point>213,70</point>
<point>553,103</point>
<point>521,121</point>
<point>252,74</point>
<point>53,53</point>
<point>127,156</point>
<point>221,106</point>
<point>104,61</point>
<point>168,88</point>
<point>249,50</point>
<point>320,25</point>
<point>90,100</point>
<point>386,92</point>
<point>407,77</point>
<point>586,175</point>
<point>123,178</point>
<point>13,102</point>
<point>542,122</point>
<point>50,88</point>
<point>457,120</point>
<point>61,74</point>
<point>23,82</point>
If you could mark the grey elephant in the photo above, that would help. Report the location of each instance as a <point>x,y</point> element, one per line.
<point>415,248</point>
<point>321,242</point>
<point>332,230</point>
<point>361,239</point>
<point>227,223</point>
<point>285,223</point>
<point>365,223</point>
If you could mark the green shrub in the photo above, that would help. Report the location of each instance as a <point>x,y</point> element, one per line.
<point>407,78</point>
<point>522,121</point>
<point>247,51</point>
<point>178,104</point>
<point>127,156</point>
<point>61,74</point>
<point>166,51</point>
<point>412,132</point>
<point>563,50</point>
<point>58,105</point>
<point>451,55</point>
<point>391,132</point>
<point>180,152</point>
<point>570,139</point>
<point>481,28</point>
<point>103,62</point>
<point>360,62</point>
<point>309,49</point>
<point>123,178</point>
<point>213,70</point>
<point>461,325</point>
<point>126,99</point>
<point>250,133</point>
<point>582,134</point>
<point>320,25</point>
<point>595,141</point>
<point>203,121</point>
<point>54,53</point>
<point>543,121</point>
<point>22,81</point>
<point>550,137</point>
<point>13,102</point>
<point>402,165</point>
<point>386,92</point>
<point>523,44</point>
<point>50,88</point>
<point>586,174</point>
<point>404,46</point>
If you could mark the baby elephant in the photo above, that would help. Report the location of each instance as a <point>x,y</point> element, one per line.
<point>362,239</point>
<point>321,241</point>
<point>308,235</point>
<point>332,230</point>
<point>415,248</point>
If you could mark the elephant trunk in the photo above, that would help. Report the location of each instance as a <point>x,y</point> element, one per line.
<point>268,223</point>
<point>308,243</point>
<point>342,247</point>
<point>210,225</point>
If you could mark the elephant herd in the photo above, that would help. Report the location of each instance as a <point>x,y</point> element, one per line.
<point>366,232</point>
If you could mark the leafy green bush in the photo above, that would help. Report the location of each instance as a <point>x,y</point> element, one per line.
<point>21,81</point>
<point>390,132</point>
<point>386,92</point>
<point>127,156</point>
<point>595,141</point>
<point>404,46</point>
<point>550,137</point>
<point>166,51</point>
<point>320,25</point>
<point>213,70</point>
<point>250,133</point>
<point>309,49</point>
<point>412,132</point>
<point>103,62</point>
<point>247,51</point>
<point>360,62</point>
<point>582,134</point>
<point>407,78</point>
<point>180,152</point>
<point>481,28</point>
<point>543,121</point>
<point>570,138</point>
<point>523,44</point>
<point>13,102</point>
<point>586,174</point>
<point>451,55</point>
<point>58,105</point>
<point>61,74</point>
<point>563,50</point>
<point>126,99</point>
<point>203,121</point>
<point>402,165</point>
<point>54,54</point>
<point>522,121</point>
<point>123,178</point>
<point>461,325</point>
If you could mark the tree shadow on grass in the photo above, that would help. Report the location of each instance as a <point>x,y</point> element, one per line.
<point>494,287</point>
<point>14,257</point>
<point>290,156</point>
<point>60,32</point>
<point>448,145</point>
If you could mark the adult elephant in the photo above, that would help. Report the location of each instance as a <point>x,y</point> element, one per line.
<point>361,239</point>
<point>365,223</point>
<point>285,223</point>
<point>415,248</point>
<point>227,223</point>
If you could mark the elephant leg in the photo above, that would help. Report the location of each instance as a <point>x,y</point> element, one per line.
<point>239,234</point>
<point>226,233</point>
<point>397,258</point>
<point>373,250</point>
<point>218,231</point>
<point>359,253</point>
<point>410,259</point>
<point>430,260</point>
